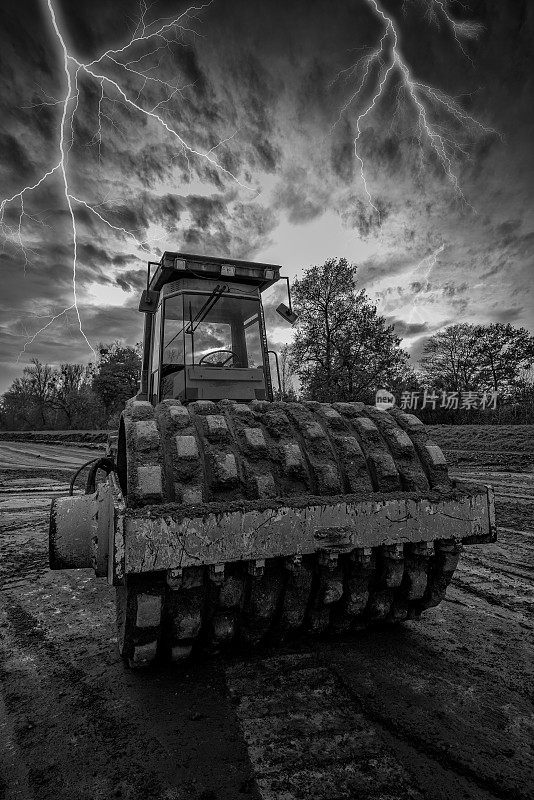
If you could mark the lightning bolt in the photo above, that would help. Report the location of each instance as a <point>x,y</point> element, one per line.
<point>387,62</point>
<point>161,33</point>
<point>429,262</point>
<point>438,13</point>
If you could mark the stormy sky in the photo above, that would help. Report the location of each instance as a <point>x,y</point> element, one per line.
<point>233,133</point>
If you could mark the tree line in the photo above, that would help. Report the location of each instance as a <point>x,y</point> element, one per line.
<point>342,350</point>
<point>72,396</point>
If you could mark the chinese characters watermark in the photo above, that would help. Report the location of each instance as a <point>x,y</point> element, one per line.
<point>430,398</point>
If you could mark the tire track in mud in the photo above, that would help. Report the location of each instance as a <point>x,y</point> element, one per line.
<point>44,691</point>
<point>41,456</point>
<point>437,709</point>
<point>23,553</point>
<point>312,733</point>
<point>475,732</point>
<point>111,734</point>
<point>501,574</point>
<point>449,697</point>
<point>14,784</point>
<point>306,736</point>
<point>82,726</point>
<point>514,494</point>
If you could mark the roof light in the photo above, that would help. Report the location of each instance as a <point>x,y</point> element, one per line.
<point>227,271</point>
<point>268,274</point>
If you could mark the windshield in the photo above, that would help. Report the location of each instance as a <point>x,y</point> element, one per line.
<point>197,326</point>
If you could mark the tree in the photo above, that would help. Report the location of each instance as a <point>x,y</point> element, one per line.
<point>116,376</point>
<point>17,405</point>
<point>74,400</point>
<point>48,397</point>
<point>342,347</point>
<point>477,357</point>
<point>73,395</point>
<point>287,372</point>
<point>28,401</point>
<point>69,382</point>
<point>449,361</point>
<point>505,354</point>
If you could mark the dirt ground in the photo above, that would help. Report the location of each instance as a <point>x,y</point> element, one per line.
<point>438,709</point>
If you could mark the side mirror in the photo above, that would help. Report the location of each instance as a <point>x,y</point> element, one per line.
<point>149,301</point>
<point>287,314</point>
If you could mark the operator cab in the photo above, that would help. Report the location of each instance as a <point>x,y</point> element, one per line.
<point>204,330</point>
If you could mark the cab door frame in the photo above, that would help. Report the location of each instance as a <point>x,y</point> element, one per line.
<point>155,358</point>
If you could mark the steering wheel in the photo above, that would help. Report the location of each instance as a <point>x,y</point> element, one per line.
<point>224,362</point>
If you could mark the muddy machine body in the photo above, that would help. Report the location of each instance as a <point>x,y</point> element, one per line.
<point>227,518</point>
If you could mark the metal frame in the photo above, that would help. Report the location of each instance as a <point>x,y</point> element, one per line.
<point>97,530</point>
<point>193,537</point>
<point>234,294</point>
<point>167,264</point>
<point>275,354</point>
<point>247,272</point>
<point>160,351</point>
<point>285,278</point>
<point>265,349</point>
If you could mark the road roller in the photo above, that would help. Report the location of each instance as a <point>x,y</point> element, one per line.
<point>227,519</point>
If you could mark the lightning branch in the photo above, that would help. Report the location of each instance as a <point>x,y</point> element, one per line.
<point>161,34</point>
<point>376,71</point>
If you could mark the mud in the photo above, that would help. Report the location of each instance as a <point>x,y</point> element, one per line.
<point>64,438</point>
<point>433,709</point>
<point>459,492</point>
<point>35,458</point>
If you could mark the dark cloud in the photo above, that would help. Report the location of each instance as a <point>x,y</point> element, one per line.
<point>152,163</point>
<point>91,253</point>
<point>121,259</point>
<point>498,267</point>
<point>403,328</point>
<point>186,60</point>
<point>257,88</point>
<point>206,211</point>
<point>417,287</point>
<point>235,229</point>
<point>450,289</point>
<point>132,280</point>
<point>132,216</point>
<point>373,270</point>
<point>506,231</point>
<point>16,155</point>
<point>364,218</point>
<point>460,305</point>
<point>507,314</point>
<point>300,197</point>
<point>342,152</point>
<point>108,324</point>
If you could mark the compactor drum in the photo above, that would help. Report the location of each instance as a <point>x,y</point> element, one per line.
<point>227,518</point>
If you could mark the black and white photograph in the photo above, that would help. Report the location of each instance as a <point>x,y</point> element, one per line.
<point>267,400</point>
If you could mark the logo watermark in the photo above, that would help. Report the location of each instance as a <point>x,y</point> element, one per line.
<point>384,400</point>
<point>430,398</point>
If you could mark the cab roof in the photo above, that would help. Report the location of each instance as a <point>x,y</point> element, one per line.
<point>173,266</point>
